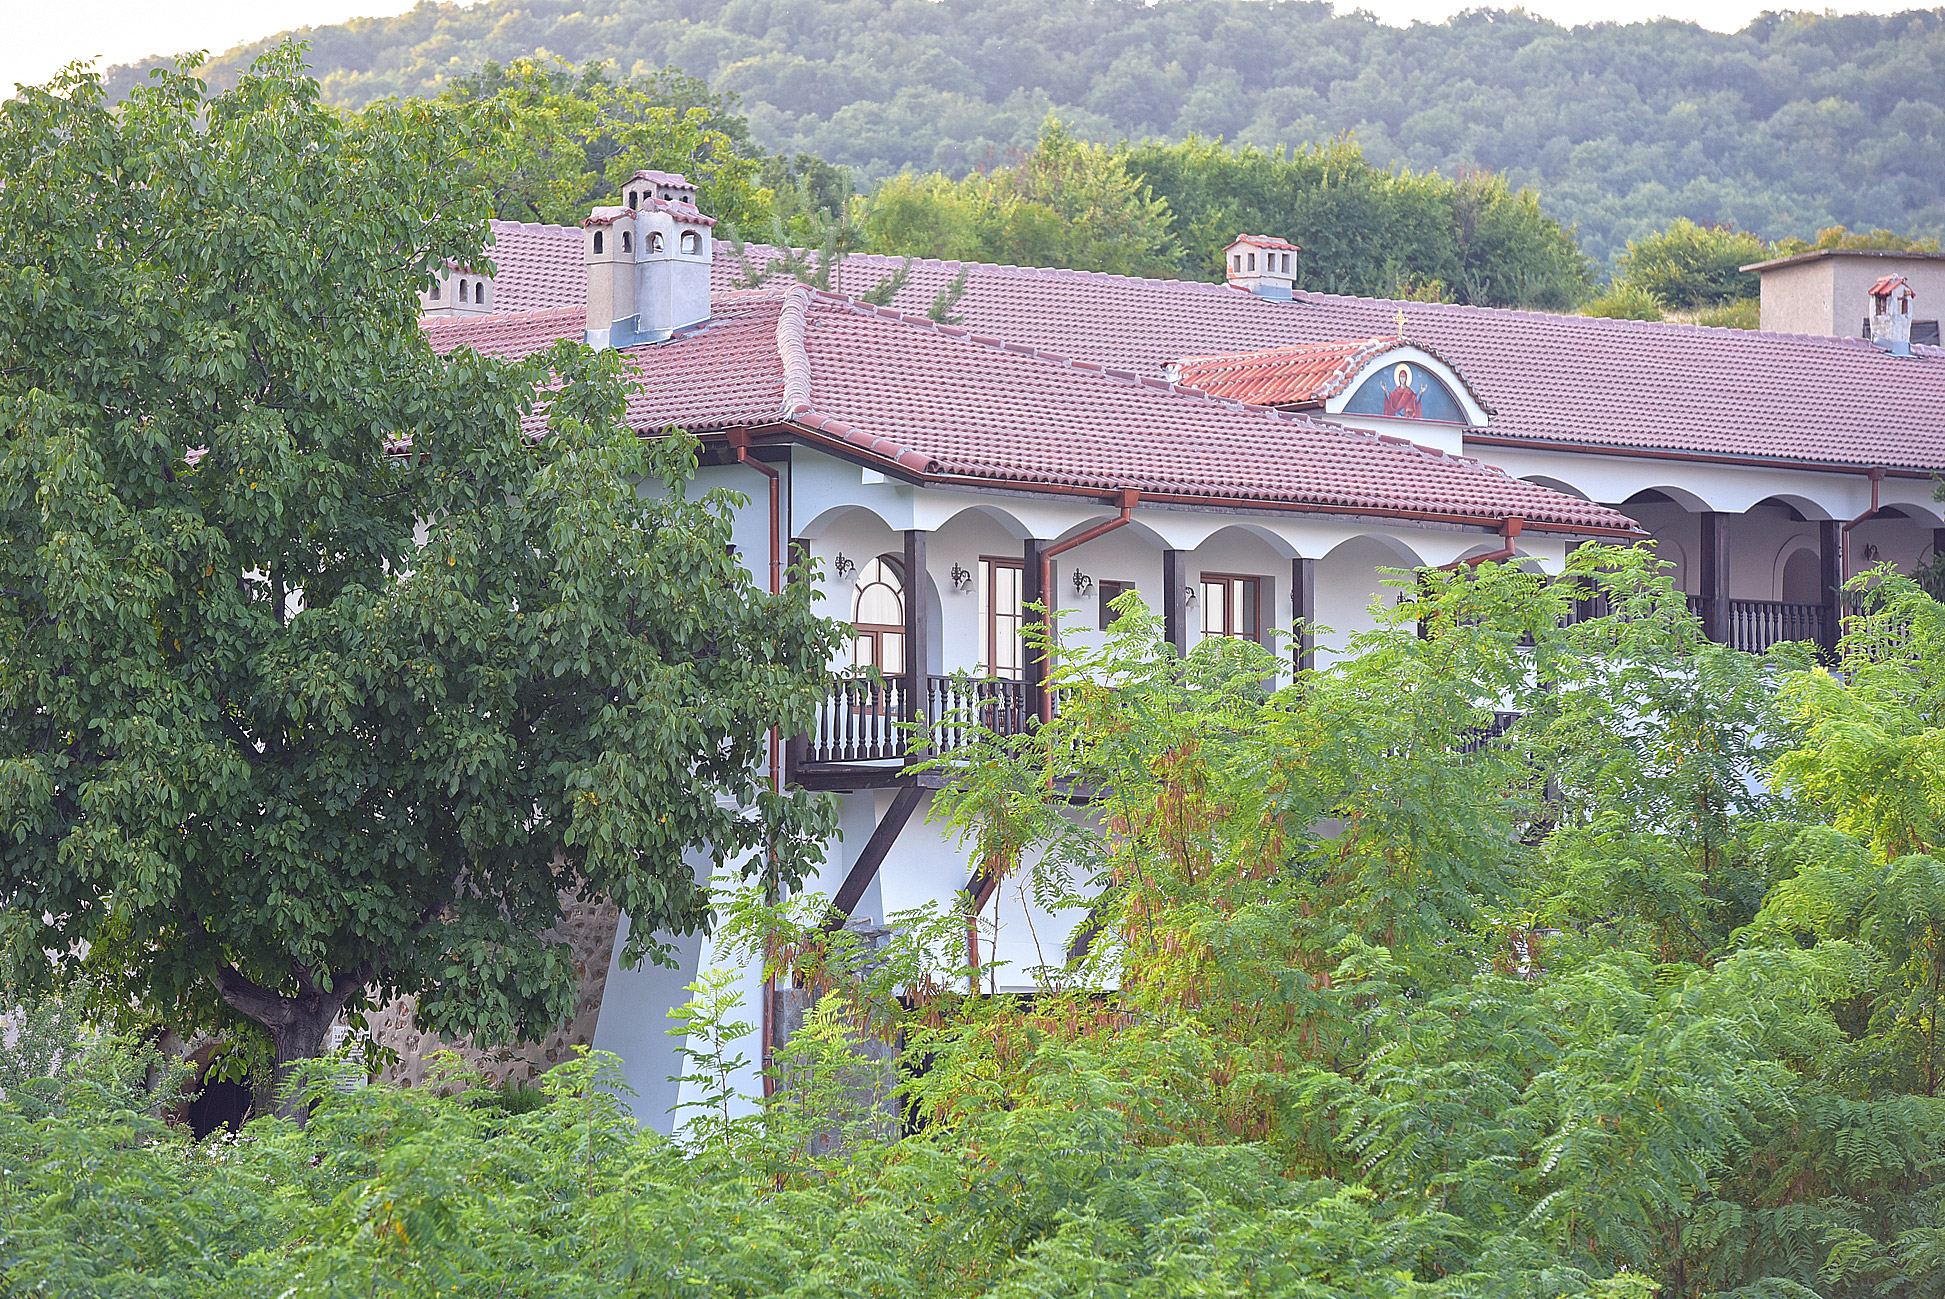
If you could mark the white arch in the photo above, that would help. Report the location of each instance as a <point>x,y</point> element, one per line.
<point>1004,518</point>
<point>1279,545</point>
<point>1558,485</point>
<point>1809,509</point>
<point>1681,496</point>
<point>1406,556</point>
<point>825,521</point>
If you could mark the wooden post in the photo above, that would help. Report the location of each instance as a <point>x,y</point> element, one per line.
<point>918,631</point>
<point>1303,612</point>
<point>1830,540</point>
<point>1175,603</point>
<point>797,748</point>
<point>1713,561</point>
<point>1034,670</point>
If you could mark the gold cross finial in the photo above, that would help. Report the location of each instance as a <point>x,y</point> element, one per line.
<point>1401,322</point>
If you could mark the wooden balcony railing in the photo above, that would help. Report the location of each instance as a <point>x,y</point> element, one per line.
<point>1755,625</point>
<point>865,720</point>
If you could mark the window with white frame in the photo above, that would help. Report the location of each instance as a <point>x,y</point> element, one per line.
<point>1001,585</point>
<point>878,618</point>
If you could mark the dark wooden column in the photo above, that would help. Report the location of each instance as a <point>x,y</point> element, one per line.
<point>1303,612</point>
<point>918,625</point>
<point>1034,670</point>
<point>797,748</point>
<point>1830,542</point>
<point>1175,602</point>
<point>1712,559</point>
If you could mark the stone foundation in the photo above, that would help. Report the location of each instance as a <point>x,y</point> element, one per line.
<point>589,928</point>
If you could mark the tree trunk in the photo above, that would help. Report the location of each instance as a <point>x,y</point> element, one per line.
<point>296,1026</point>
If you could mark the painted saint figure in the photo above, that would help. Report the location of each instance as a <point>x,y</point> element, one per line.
<point>1400,400</point>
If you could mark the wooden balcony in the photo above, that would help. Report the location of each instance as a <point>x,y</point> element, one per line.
<point>868,722</point>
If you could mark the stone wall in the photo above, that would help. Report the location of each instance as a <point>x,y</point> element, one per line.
<point>589,928</point>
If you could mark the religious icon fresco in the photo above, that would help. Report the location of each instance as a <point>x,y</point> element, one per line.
<point>1406,391</point>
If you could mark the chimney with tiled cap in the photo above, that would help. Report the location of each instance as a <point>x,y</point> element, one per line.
<point>1261,264</point>
<point>1890,319</point>
<point>456,290</point>
<point>648,262</point>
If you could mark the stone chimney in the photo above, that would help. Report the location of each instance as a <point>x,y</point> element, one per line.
<point>1261,265</point>
<point>1890,319</point>
<point>648,262</point>
<point>457,290</point>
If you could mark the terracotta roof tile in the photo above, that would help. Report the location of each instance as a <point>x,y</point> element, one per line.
<point>1304,375</point>
<point>1569,380</point>
<point>509,335</point>
<point>940,402</point>
<point>1266,241</point>
<point>538,266</point>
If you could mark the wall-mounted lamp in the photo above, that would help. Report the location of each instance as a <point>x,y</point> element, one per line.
<point>1872,554</point>
<point>1188,595</point>
<point>843,566</point>
<point>962,578</point>
<point>1082,583</point>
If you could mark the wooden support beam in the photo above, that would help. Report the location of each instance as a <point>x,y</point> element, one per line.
<point>1713,562</point>
<point>1175,600</point>
<point>1830,554</point>
<point>872,856</point>
<point>1303,612</point>
<point>1033,672</point>
<point>918,632</point>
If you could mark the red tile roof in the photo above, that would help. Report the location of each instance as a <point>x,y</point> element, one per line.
<point>538,266</point>
<point>681,211</point>
<point>1572,381</point>
<point>1302,376</point>
<point>509,335</point>
<point>1266,241</point>
<point>1886,285</point>
<point>948,406</point>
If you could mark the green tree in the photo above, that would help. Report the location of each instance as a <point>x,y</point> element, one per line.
<point>1879,240</point>
<point>325,677</point>
<point>1688,266</point>
<point>1064,203</point>
<point>1363,229</point>
<point>552,142</point>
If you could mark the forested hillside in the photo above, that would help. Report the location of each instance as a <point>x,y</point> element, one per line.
<point>1793,124</point>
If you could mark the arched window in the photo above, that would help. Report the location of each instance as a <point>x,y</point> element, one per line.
<point>633,198</point>
<point>878,618</point>
<point>435,290</point>
<point>597,241</point>
<point>691,242</point>
<point>627,241</point>
<point>654,241</point>
<point>479,292</point>
<point>462,290</point>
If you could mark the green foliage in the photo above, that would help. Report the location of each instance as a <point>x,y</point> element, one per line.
<point>1363,229</point>
<point>1838,237</point>
<point>552,142</point>
<point>1746,314</point>
<point>1636,996</point>
<point>1064,203</point>
<point>290,719</point>
<point>1688,266</point>
<point>1796,122</point>
<point>1625,302</point>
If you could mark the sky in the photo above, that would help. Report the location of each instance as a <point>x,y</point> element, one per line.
<point>44,35</point>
